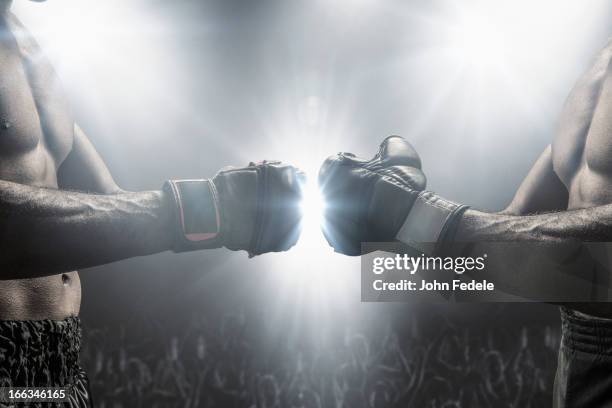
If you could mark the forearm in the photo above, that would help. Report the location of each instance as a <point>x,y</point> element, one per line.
<point>557,257</point>
<point>46,231</point>
<point>587,225</point>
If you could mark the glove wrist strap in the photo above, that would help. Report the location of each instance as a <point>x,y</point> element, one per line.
<point>431,222</point>
<point>197,214</point>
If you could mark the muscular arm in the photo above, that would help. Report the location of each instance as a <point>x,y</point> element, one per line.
<point>588,225</point>
<point>538,212</point>
<point>46,231</point>
<point>523,220</point>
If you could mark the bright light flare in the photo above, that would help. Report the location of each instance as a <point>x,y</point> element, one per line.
<point>312,205</point>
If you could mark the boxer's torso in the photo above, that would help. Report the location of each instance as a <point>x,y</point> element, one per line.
<point>582,147</point>
<point>36,134</point>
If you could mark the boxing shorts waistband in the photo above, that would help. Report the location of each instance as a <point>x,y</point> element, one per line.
<point>40,353</point>
<point>585,333</point>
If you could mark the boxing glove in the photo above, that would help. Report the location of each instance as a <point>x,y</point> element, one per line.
<point>383,200</point>
<point>254,208</point>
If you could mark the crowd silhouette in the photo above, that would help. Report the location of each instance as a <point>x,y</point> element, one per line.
<point>224,364</point>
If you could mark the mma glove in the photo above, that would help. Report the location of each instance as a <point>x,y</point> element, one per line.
<point>384,200</point>
<point>254,208</point>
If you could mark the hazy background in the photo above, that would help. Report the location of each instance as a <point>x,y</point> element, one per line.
<point>169,89</point>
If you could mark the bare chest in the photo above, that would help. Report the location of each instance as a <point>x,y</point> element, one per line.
<point>36,127</point>
<point>582,148</point>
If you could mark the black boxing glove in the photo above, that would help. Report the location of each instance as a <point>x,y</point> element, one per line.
<point>383,200</point>
<point>254,208</point>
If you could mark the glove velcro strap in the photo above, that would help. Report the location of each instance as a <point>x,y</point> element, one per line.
<point>261,217</point>
<point>432,221</point>
<point>197,218</point>
<point>278,215</point>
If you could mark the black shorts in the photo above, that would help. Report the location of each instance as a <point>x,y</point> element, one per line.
<point>44,353</point>
<point>584,370</point>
